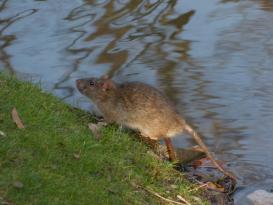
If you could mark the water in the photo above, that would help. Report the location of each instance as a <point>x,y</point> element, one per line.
<point>214,59</point>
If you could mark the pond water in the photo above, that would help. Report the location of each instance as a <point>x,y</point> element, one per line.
<point>213,58</point>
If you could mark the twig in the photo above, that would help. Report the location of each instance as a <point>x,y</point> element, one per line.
<point>161,197</point>
<point>165,199</point>
<point>196,188</point>
<point>183,199</point>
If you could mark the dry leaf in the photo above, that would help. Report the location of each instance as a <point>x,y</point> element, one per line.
<point>214,186</point>
<point>18,184</point>
<point>200,162</point>
<point>95,128</point>
<point>2,134</point>
<point>16,119</point>
<point>76,156</point>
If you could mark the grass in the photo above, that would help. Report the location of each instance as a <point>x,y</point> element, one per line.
<point>56,160</point>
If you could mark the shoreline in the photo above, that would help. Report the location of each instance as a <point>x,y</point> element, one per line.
<point>56,158</point>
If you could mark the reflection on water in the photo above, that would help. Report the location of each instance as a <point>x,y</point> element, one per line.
<point>213,59</point>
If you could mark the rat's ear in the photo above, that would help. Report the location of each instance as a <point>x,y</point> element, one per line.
<point>107,85</point>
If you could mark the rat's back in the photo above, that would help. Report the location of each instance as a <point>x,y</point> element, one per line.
<point>146,109</point>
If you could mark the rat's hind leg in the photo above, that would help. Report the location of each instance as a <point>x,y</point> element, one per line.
<point>170,149</point>
<point>168,142</point>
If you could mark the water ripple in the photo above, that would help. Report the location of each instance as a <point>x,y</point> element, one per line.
<point>213,60</point>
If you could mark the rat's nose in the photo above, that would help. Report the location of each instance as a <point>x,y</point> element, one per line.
<point>80,83</point>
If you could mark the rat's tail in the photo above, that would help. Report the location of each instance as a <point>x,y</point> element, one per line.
<point>200,142</point>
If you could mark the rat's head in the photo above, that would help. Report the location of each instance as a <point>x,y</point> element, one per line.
<point>96,88</point>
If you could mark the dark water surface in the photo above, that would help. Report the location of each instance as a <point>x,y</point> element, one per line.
<point>213,58</point>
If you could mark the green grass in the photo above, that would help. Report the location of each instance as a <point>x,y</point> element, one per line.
<point>113,170</point>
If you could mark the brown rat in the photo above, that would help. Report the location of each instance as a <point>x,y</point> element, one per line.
<point>140,107</point>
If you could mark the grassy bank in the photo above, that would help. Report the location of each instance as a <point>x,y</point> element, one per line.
<point>56,160</point>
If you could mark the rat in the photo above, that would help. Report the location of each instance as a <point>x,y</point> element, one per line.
<point>143,108</point>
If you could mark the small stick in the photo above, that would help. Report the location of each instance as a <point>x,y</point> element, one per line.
<point>168,200</point>
<point>199,187</point>
<point>183,199</point>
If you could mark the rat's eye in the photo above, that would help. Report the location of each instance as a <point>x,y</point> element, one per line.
<point>91,83</point>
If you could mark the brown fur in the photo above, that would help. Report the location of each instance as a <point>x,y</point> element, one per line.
<point>140,107</point>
